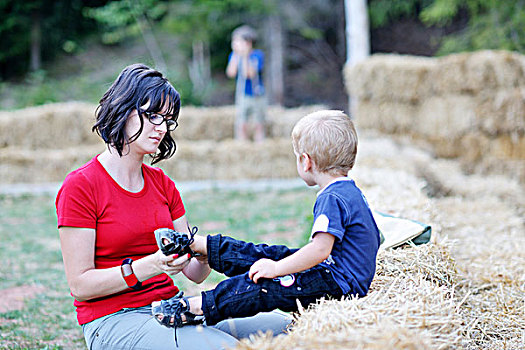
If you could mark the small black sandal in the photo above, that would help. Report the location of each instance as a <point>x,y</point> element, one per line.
<point>174,242</point>
<point>169,313</point>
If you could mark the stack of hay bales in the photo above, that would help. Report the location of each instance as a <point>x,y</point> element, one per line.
<point>463,290</point>
<point>42,144</point>
<point>469,106</point>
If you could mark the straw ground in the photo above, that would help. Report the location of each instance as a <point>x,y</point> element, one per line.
<point>464,290</point>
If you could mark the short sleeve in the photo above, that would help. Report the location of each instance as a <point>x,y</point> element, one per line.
<point>174,199</point>
<point>260,60</point>
<point>329,216</point>
<point>75,204</point>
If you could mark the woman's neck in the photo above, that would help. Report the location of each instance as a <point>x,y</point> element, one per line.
<point>125,170</point>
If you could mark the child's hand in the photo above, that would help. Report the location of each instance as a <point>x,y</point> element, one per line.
<point>240,47</point>
<point>263,268</point>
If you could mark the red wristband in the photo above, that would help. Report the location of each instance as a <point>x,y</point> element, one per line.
<point>128,274</point>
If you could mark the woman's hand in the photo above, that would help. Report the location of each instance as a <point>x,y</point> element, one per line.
<point>171,264</point>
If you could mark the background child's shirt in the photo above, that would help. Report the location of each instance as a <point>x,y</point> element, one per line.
<point>342,210</point>
<point>255,86</point>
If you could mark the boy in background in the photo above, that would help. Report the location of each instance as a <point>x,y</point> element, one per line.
<point>246,65</point>
<point>339,260</point>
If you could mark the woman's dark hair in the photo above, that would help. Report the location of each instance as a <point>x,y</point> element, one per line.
<point>135,86</point>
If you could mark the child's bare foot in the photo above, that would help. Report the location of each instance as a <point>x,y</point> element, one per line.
<point>199,245</point>
<point>178,311</point>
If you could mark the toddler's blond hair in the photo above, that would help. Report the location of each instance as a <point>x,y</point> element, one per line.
<point>329,138</point>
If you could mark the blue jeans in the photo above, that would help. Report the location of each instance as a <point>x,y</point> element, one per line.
<point>239,296</point>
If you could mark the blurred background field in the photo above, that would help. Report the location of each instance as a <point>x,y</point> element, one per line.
<point>439,105</point>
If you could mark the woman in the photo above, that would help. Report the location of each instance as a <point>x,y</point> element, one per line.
<point>107,211</point>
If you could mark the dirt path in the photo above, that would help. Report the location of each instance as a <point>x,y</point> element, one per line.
<point>13,298</point>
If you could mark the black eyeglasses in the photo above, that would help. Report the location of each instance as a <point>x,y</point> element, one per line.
<point>158,119</point>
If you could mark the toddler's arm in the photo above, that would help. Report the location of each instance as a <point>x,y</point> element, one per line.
<point>308,256</point>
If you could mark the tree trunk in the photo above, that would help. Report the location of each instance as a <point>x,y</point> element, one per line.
<point>275,66</point>
<point>357,31</point>
<point>150,40</point>
<point>199,67</point>
<point>357,37</point>
<point>36,42</point>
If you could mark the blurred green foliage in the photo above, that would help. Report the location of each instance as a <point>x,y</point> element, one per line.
<point>55,22</point>
<point>313,32</point>
<point>491,24</point>
<point>119,19</point>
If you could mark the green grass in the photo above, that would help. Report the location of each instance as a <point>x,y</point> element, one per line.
<point>31,255</point>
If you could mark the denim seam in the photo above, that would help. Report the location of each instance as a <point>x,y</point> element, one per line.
<point>212,246</point>
<point>209,309</point>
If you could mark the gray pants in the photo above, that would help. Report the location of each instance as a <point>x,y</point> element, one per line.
<point>135,328</point>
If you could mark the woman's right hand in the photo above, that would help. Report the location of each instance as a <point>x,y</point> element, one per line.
<point>171,264</point>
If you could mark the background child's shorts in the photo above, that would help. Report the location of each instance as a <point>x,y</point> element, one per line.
<point>251,106</point>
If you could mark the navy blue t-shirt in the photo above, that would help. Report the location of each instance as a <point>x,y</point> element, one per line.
<point>342,210</point>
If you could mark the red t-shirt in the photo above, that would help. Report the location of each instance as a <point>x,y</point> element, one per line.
<point>124,223</point>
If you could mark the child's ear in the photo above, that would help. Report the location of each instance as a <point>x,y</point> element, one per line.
<point>306,161</point>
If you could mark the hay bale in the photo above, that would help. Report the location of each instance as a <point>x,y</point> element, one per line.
<point>281,120</point>
<point>470,105</point>
<point>412,304</point>
<point>501,111</point>
<point>39,166</point>
<point>216,123</point>
<point>59,125</point>
<point>446,118</point>
<point>194,160</point>
<point>386,116</point>
<point>52,140</point>
<point>203,123</point>
<point>231,159</point>
<point>390,77</point>
<point>473,72</point>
